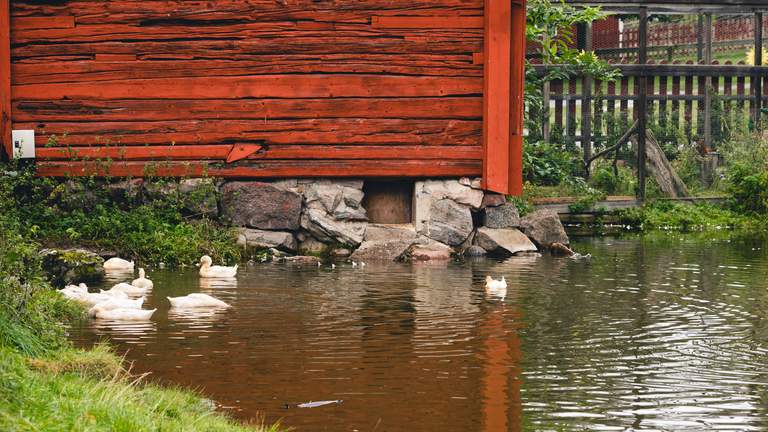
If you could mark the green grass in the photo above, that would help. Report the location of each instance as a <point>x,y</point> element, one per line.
<point>671,216</point>
<point>89,391</point>
<point>47,385</point>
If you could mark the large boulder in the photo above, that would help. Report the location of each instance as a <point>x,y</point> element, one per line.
<point>430,250</point>
<point>72,266</point>
<point>510,241</point>
<point>260,205</point>
<point>312,246</point>
<point>385,243</point>
<point>451,189</point>
<point>340,200</point>
<point>260,239</point>
<point>199,197</point>
<point>448,222</point>
<point>503,216</point>
<point>493,200</point>
<point>544,228</point>
<point>326,228</point>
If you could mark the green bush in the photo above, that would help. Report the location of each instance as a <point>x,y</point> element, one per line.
<point>748,189</point>
<point>80,212</point>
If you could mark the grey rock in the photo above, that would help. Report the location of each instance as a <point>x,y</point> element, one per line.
<point>312,246</point>
<point>477,183</point>
<point>72,266</point>
<point>326,228</point>
<point>475,251</point>
<point>382,250</point>
<point>509,240</point>
<point>341,253</point>
<point>260,205</point>
<point>504,216</point>
<point>337,199</point>
<point>448,222</point>
<point>126,193</point>
<point>493,200</point>
<point>161,190</point>
<point>375,232</point>
<point>544,228</point>
<point>451,189</point>
<point>259,239</point>
<point>302,260</point>
<point>430,251</point>
<point>199,197</point>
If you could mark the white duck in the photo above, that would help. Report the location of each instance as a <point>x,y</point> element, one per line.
<point>118,303</point>
<point>196,300</point>
<point>121,314</point>
<point>496,288</point>
<point>125,289</point>
<point>118,264</point>
<point>142,281</point>
<point>92,299</point>
<point>209,271</point>
<point>74,291</point>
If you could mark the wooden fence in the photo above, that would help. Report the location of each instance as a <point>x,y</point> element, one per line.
<point>680,102</point>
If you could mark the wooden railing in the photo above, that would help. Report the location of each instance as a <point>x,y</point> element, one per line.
<point>679,102</point>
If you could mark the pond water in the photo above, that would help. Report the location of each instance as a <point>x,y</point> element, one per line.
<point>659,333</point>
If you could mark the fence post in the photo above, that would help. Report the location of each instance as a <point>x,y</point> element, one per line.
<point>642,105</point>
<point>699,39</point>
<point>708,84</point>
<point>586,104</point>
<point>757,79</point>
<point>545,92</point>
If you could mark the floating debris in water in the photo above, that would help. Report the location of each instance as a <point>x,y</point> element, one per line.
<point>317,404</point>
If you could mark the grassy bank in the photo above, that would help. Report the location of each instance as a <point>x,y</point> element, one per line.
<point>47,385</point>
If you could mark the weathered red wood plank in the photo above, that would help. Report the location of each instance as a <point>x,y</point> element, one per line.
<point>71,71</point>
<point>267,169</point>
<point>417,22</point>
<point>264,45</point>
<point>5,79</point>
<point>275,132</point>
<point>466,108</point>
<point>223,151</point>
<point>266,86</point>
<point>115,57</point>
<point>496,118</point>
<point>48,22</point>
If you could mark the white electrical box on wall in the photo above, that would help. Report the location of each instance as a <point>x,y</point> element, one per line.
<point>23,144</point>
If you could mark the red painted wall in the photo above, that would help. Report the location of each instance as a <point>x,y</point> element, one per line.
<point>298,87</point>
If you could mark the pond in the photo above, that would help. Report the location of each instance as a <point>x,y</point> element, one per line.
<point>655,333</point>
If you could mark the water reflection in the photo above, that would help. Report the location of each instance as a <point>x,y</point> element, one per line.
<point>656,334</point>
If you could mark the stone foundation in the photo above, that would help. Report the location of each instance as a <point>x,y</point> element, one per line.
<point>327,217</point>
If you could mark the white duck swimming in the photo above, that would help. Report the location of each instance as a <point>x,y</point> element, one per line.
<point>118,264</point>
<point>142,281</point>
<point>196,300</point>
<point>121,314</point>
<point>92,299</point>
<point>496,288</point>
<point>118,303</point>
<point>125,289</point>
<point>74,291</point>
<point>209,271</point>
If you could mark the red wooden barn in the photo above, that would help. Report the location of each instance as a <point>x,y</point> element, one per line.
<point>267,88</point>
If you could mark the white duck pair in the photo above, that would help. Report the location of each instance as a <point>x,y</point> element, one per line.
<point>118,309</point>
<point>80,294</point>
<point>496,288</point>
<point>138,287</point>
<point>211,271</point>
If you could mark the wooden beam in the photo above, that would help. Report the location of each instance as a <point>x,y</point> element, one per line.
<point>427,22</point>
<point>517,103</point>
<point>5,78</point>
<point>708,30</point>
<point>261,86</point>
<point>642,106</point>
<point>496,101</point>
<point>586,104</point>
<point>50,22</point>
<point>287,152</point>
<point>757,79</point>
<point>266,169</point>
